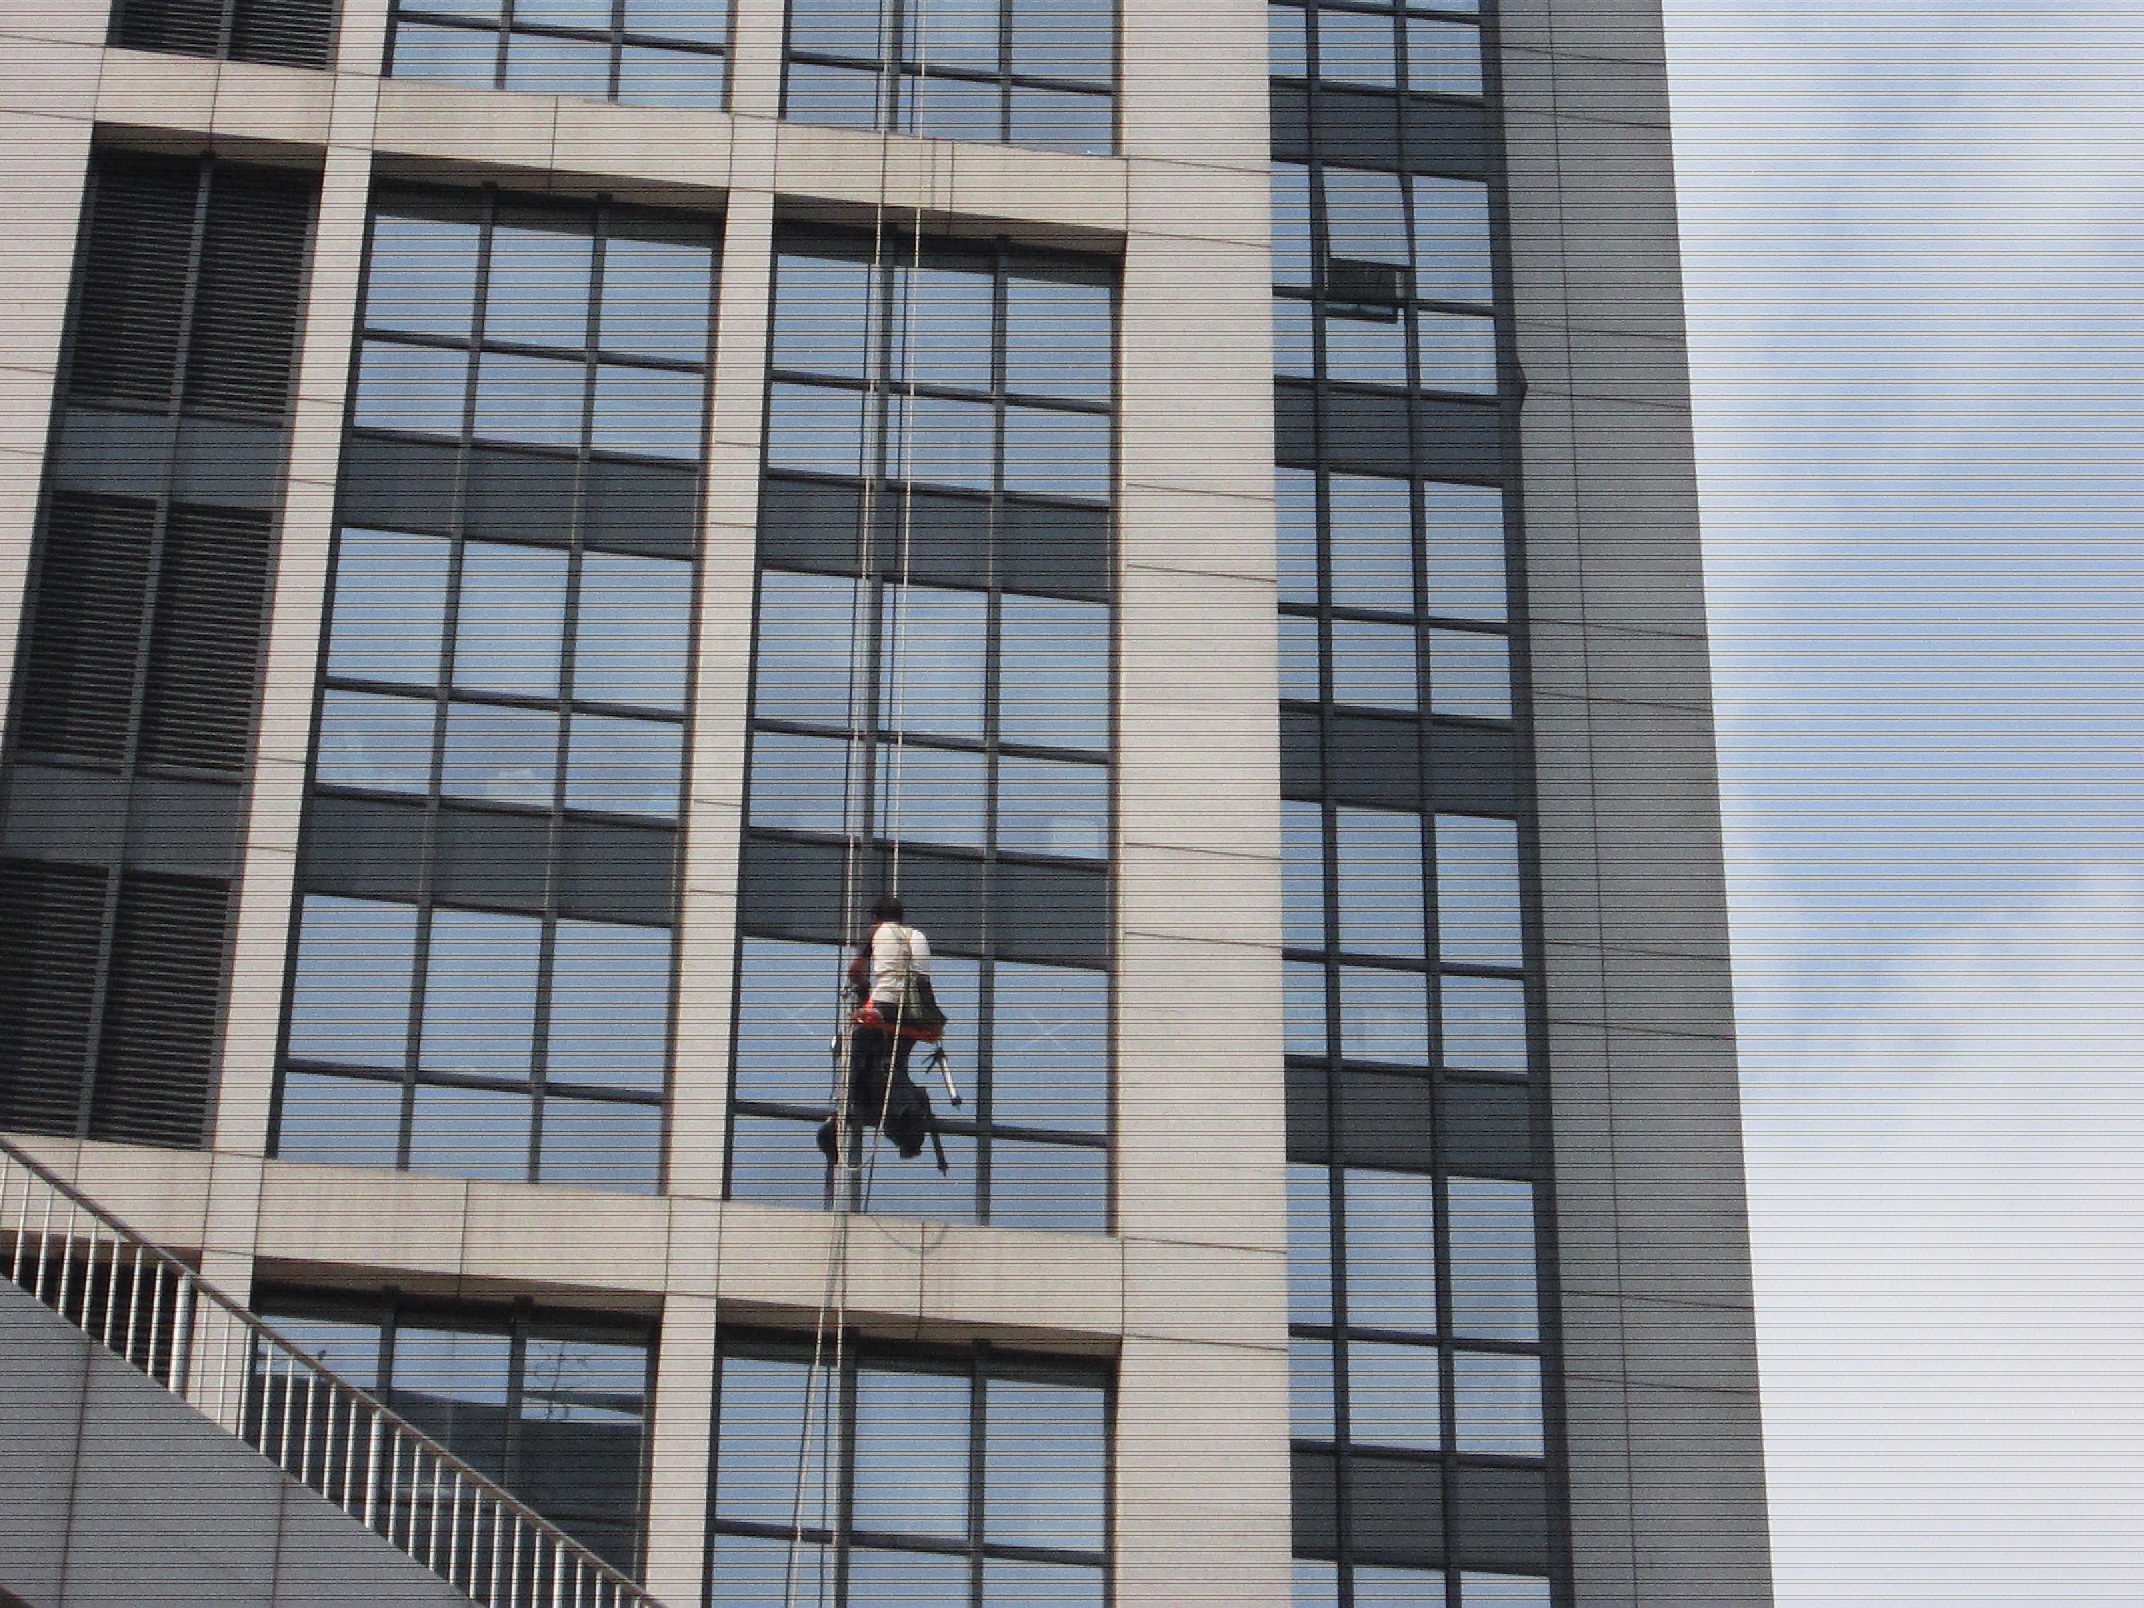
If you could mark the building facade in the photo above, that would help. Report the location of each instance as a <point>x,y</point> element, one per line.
<point>523,518</point>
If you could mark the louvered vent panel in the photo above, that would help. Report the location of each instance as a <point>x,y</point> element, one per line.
<point>50,917</point>
<point>159,1041</point>
<point>187,27</point>
<point>289,33</point>
<point>245,324</point>
<point>85,631</point>
<point>130,316</point>
<point>204,650</point>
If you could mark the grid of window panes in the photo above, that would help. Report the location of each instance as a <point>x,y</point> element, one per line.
<point>553,1405</point>
<point>1380,44</point>
<point>636,52</point>
<point>1383,279</point>
<point>504,697</point>
<point>1020,72</point>
<point>927,681</point>
<point>974,1476</point>
<point>1393,595</point>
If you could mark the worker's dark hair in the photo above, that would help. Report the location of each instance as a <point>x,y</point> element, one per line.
<point>888,908</point>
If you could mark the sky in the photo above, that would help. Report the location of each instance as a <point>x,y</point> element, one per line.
<point>1914,254</point>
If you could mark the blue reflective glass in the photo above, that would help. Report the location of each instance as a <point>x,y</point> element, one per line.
<point>1293,258</point>
<point>822,319</point>
<point>1057,454</point>
<point>583,1382</point>
<point>1381,883</point>
<point>1073,39</point>
<point>806,666</point>
<point>1498,1402</point>
<point>1041,1585</point>
<point>1049,1047</point>
<point>540,65</point>
<point>1470,674</point>
<point>539,285</point>
<point>610,1005</point>
<point>390,607</point>
<point>631,767</point>
<point>1300,642</point>
<point>1357,49</point>
<point>600,1144</point>
<point>1451,239</point>
<point>932,795</point>
<point>801,782</point>
<point>1365,351</point>
<point>763,1409</point>
<point>453,1383</point>
<point>840,27</point>
<point>410,388</point>
<point>423,272</point>
<point>504,756</point>
<point>1310,1387</point>
<point>952,33</point>
<point>342,1122</point>
<point>1061,1187</point>
<point>1053,672</point>
<point>1303,983</point>
<point>1504,1591</point>
<point>1374,665</point>
<point>1466,551</point>
<point>1484,1020</point>
<point>905,1579</point>
<point>911,1453</point>
<point>1384,1016</point>
<point>533,399</point>
<point>369,740</point>
<point>789,1012</point>
<point>935,648</point>
<point>350,1350</point>
<point>687,78</point>
<point>818,428</point>
<point>952,108</point>
<point>1060,120</point>
<point>1365,216</point>
<point>1443,58</point>
<point>1478,890</point>
<point>593,15</point>
<point>835,97</point>
<point>942,323</point>
<point>946,442</point>
<point>510,620</point>
<point>1294,339</point>
<point>633,630</point>
<point>1491,1227</point>
<point>1391,1251</point>
<point>1303,875</point>
<point>1393,1394</point>
<point>1310,1243</point>
<point>1060,340</point>
<point>916,1189</point>
<point>1053,806</point>
<point>1457,352</point>
<point>777,1162</point>
<point>1372,543</point>
<point>470,1133</point>
<point>653,412</point>
<point>1317,1584</point>
<point>480,993</point>
<point>356,961</point>
<point>1296,516</point>
<point>446,55</point>
<point>1045,1465</point>
<point>704,22</point>
<point>1378,1587</point>
<point>1286,46</point>
<point>657,294</point>
<point>758,1573</point>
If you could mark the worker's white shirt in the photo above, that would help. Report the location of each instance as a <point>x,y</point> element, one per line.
<point>895,951</point>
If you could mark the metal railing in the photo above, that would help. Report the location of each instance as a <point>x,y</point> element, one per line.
<point>145,1305</point>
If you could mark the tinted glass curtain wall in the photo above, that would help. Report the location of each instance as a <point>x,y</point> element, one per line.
<point>634,52</point>
<point>932,708</point>
<point>1424,1420</point>
<point>483,968</point>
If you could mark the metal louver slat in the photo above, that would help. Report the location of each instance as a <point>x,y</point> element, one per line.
<point>131,312</point>
<point>204,649</point>
<point>186,27</point>
<point>157,1050</point>
<point>50,920</point>
<point>288,33</point>
<point>85,635</point>
<point>245,327</point>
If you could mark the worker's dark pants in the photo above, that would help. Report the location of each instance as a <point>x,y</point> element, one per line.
<point>875,1057</point>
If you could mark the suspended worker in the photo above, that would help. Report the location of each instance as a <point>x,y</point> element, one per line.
<point>896,1009</point>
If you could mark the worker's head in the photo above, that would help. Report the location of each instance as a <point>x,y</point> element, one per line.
<point>888,908</point>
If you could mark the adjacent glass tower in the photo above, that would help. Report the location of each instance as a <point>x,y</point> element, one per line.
<point>529,535</point>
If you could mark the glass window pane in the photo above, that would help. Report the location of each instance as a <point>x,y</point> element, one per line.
<point>1443,58</point>
<point>600,1144</point>
<point>1478,890</point>
<point>1492,1235</point>
<point>649,411</point>
<point>610,1005</point>
<point>634,767</point>
<point>470,1133</point>
<point>356,964</point>
<point>342,1122</point>
<point>1059,339</point>
<point>535,399</point>
<point>453,1384</point>
<point>1296,511</point>
<point>1043,1585</point>
<point>506,756</point>
<point>934,648</point>
<point>1484,1020</point>
<point>905,1579</point>
<point>1057,454</point>
<point>1310,1243</point>
<point>656,294</point>
<point>948,442</point>
<point>423,272</point>
<point>1304,988</point>
<point>762,1451</point>
<point>1391,1250</point>
<point>1055,120</point>
<point>650,77</point>
<point>800,782</point>
<point>1384,1016</point>
<point>931,795</point>
<point>1063,1187</point>
<point>1381,883</point>
<point>538,291</point>
<point>410,388</point>
<point>1286,45</point>
<point>912,1453</point>
<point>839,27</point>
<point>1365,351</point>
<point>367,740</point>
<point>1049,1047</point>
<point>1356,49</point>
<point>1393,1395</point>
<point>390,607</point>
<point>1303,875</point>
<point>480,993</point>
<point>822,316</point>
<point>511,620</point>
<point>1053,672</point>
<point>1470,674</point>
<point>583,1382</point>
<point>954,109</point>
<point>1045,1465</point>
<point>834,97</point>
<point>817,428</point>
<point>1504,1591</point>
<point>758,1573</point>
<point>807,652</point>
<point>1310,1389</point>
<point>789,1009</point>
<point>1051,806</point>
<point>593,15</point>
<point>1317,1583</point>
<point>546,66</point>
<point>1293,259</point>
<point>1451,236</point>
<point>1379,1587</point>
<point>704,22</point>
<point>1299,651</point>
<point>1498,1399</point>
<point>1372,542</point>
<point>1294,341</point>
<point>778,1162</point>
<point>446,55</point>
<point>916,1188</point>
<point>633,630</point>
<point>350,1350</point>
<point>1364,217</point>
<point>1457,352</point>
<point>1466,551</point>
<point>1074,39</point>
<point>952,33</point>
